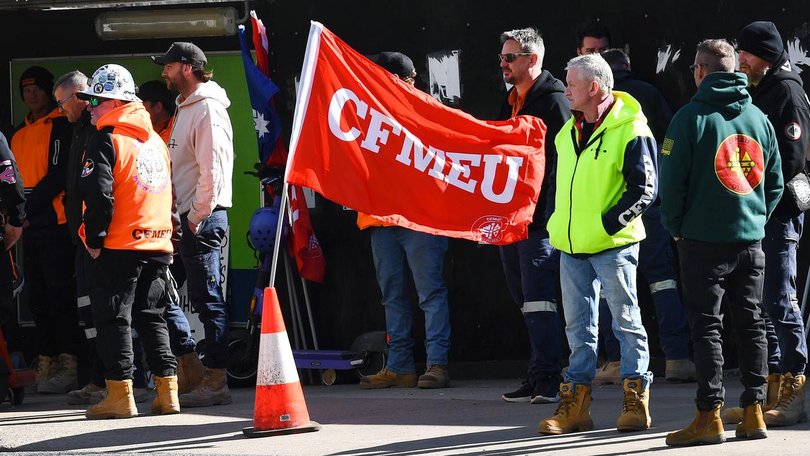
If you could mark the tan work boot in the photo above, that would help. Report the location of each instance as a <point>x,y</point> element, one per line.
<point>212,390</point>
<point>119,402</point>
<point>387,379</point>
<point>608,374</point>
<point>47,367</point>
<point>734,415</point>
<point>141,395</point>
<point>82,396</point>
<point>790,408</point>
<point>636,408</point>
<point>167,401</point>
<point>190,371</point>
<point>65,380</point>
<point>705,429</point>
<point>752,425</point>
<point>573,413</point>
<point>436,376</point>
<point>680,371</point>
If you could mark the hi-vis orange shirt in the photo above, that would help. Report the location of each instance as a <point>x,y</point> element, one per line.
<point>126,184</point>
<point>166,133</point>
<point>41,149</point>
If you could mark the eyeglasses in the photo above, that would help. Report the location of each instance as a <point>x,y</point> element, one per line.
<point>64,100</point>
<point>510,57</point>
<point>695,65</point>
<point>95,101</point>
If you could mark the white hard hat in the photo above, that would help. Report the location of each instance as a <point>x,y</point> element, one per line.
<point>111,81</point>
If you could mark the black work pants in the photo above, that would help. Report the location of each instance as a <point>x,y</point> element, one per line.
<point>708,272</point>
<point>127,289</point>
<point>48,259</point>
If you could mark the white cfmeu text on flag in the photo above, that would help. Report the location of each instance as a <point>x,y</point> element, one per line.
<point>459,169</point>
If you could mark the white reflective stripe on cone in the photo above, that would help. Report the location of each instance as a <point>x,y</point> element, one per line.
<point>82,301</point>
<point>539,306</point>
<point>670,284</point>
<point>276,363</point>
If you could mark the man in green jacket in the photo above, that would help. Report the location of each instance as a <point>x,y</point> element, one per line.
<point>606,178</point>
<point>720,181</point>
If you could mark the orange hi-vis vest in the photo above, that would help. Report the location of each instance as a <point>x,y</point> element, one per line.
<point>31,145</point>
<point>142,187</point>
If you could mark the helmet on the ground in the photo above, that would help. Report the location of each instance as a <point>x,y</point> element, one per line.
<point>263,226</point>
<point>113,82</point>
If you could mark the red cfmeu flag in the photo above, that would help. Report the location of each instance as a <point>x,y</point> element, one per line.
<point>366,140</point>
<point>303,245</point>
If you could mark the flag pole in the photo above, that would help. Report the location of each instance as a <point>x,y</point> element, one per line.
<point>301,101</point>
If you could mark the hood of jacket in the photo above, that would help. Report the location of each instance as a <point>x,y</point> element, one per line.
<point>131,119</point>
<point>725,91</point>
<point>205,90</point>
<point>782,70</point>
<point>544,84</point>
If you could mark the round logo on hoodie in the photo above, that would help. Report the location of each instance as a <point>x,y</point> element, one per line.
<point>739,164</point>
<point>153,171</point>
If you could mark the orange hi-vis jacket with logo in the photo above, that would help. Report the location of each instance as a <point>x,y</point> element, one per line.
<point>41,149</point>
<point>126,184</point>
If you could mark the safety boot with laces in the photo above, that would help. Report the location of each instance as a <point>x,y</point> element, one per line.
<point>573,412</point>
<point>47,367</point>
<point>636,408</point>
<point>82,396</point>
<point>387,378</point>
<point>65,380</point>
<point>752,425</point>
<point>608,374</point>
<point>436,376</point>
<point>734,415</point>
<point>790,408</point>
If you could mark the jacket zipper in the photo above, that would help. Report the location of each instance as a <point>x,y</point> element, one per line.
<point>571,204</point>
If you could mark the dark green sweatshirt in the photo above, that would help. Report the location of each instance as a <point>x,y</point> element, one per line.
<point>720,171</point>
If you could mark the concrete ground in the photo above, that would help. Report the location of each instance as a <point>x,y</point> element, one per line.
<point>469,418</point>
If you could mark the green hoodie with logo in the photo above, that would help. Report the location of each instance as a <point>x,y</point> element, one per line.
<point>720,171</point>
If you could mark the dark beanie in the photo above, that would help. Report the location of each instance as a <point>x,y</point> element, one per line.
<point>762,40</point>
<point>38,76</point>
<point>396,63</point>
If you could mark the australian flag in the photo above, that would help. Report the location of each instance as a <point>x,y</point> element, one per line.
<point>303,245</point>
<point>272,151</point>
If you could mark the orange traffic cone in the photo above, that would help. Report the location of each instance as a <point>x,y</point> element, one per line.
<point>280,407</point>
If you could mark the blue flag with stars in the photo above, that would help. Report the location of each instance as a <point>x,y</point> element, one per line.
<point>265,117</point>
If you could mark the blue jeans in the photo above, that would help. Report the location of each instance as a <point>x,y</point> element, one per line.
<point>614,273</point>
<point>391,246</point>
<point>787,345</point>
<point>531,267</point>
<point>655,264</point>
<point>182,341</point>
<point>201,258</point>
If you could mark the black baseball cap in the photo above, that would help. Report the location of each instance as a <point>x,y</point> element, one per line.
<point>396,63</point>
<point>182,52</point>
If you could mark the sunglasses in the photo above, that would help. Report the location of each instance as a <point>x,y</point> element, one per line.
<point>510,57</point>
<point>64,100</point>
<point>695,65</point>
<point>95,101</point>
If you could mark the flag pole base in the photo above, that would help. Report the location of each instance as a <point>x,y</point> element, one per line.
<point>252,432</point>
